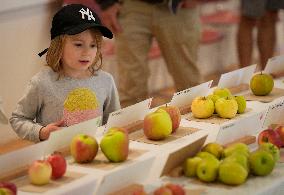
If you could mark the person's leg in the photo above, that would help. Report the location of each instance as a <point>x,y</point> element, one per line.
<point>245,40</point>
<point>132,46</point>
<point>266,37</point>
<point>178,37</point>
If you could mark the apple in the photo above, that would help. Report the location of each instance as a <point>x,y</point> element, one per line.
<point>222,92</point>
<point>175,115</point>
<point>157,125</point>
<point>238,158</point>
<point>206,155</point>
<point>236,148</point>
<point>190,166</point>
<point>226,108</point>
<point>163,190</point>
<point>175,188</point>
<point>6,191</point>
<point>10,186</point>
<point>242,103</point>
<point>83,148</point>
<point>40,172</point>
<point>58,164</point>
<point>115,144</point>
<point>214,98</point>
<point>261,162</point>
<point>213,148</point>
<point>232,173</point>
<point>202,107</point>
<point>207,170</point>
<point>280,130</point>
<point>269,135</point>
<point>272,149</point>
<point>140,191</point>
<point>261,84</point>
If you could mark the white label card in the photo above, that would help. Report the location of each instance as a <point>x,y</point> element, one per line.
<point>275,113</point>
<point>275,65</point>
<point>186,96</point>
<point>129,114</point>
<point>237,77</point>
<point>62,138</point>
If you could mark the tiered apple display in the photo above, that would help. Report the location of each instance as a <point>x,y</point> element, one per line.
<point>115,144</point>
<point>221,102</point>
<point>83,148</point>
<point>231,165</point>
<point>41,171</point>
<point>8,188</point>
<point>261,84</point>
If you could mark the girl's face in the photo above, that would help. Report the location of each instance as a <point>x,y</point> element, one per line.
<point>79,52</point>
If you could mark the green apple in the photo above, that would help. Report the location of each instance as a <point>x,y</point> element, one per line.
<point>175,115</point>
<point>261,84</point>
<point>232,173</point>
<point>214,148</point>
<point>83,148</point>
<point>115,144</point>
<point>205,155</point>
<point>237,147</point>
<point>202,107</point>
<point>238,158</point>
<point>222,92</point>
<point>272,149</point>
<point>6,191</point>
<point>190,166</point>
<point>207,170</point>
<point>157,125</point>
<point>261,162</point>
<point>226,108</point>
<point>242,103</point>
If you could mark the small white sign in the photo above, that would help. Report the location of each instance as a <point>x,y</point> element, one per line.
<point>275,113</point>
<point>129,114</point>
<point>186,96</point>
<point>275,65</point>
<point>237,77</point>
<point>62,138</point>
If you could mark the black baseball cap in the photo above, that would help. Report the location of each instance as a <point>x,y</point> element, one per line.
<point>73,19</point>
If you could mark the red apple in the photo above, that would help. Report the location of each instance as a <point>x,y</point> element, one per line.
<point>84,148</point>
<point>269,135</point>
<point>40,172</point>
<point>139,192</point>
<point>176,189</point>
<point>175,115</point>
<point>58,164</point>
<point>280,131</point>
<point>10,186</point>
<point>163,190</point>
<point>6,191</point>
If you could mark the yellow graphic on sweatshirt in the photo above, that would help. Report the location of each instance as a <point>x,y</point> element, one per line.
<point>81,99</point>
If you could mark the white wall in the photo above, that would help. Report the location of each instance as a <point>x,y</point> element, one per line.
<point>24,32</point>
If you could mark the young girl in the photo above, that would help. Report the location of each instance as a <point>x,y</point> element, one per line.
<point>72,88</point>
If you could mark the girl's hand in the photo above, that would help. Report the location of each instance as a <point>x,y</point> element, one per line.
<point>45,131</point>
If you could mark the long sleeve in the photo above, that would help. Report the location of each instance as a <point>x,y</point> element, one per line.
<point>112,102</point>
<point>22,119</point>
<point>104,4</point>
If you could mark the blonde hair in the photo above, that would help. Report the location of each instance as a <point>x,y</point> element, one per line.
<point>55,50</point>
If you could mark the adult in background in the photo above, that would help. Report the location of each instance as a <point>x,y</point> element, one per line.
<point>175,25</point>
<point>262,15</point>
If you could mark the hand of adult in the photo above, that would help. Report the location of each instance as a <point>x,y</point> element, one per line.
<point>109,18</point>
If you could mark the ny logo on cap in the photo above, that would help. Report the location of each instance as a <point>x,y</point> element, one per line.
<point>88,13</point>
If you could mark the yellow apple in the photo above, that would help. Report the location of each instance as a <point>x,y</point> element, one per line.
<point>157,125</point>
<point>226,108</point>
<point>175,115</point>
<point>261,84</point>
<point>202,107</point>
<point>40,172</point>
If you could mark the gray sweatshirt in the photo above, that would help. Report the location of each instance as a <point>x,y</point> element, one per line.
<point>44,99</point>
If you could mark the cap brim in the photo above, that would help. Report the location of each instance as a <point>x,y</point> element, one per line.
<point>80,28</point>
